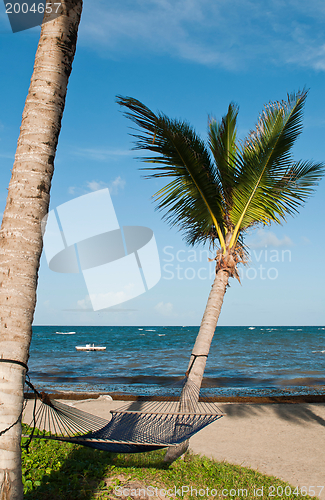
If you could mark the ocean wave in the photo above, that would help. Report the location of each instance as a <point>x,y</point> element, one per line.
<point>239,361</point>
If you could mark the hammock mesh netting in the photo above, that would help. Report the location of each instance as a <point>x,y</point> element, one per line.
<point>137,426</point>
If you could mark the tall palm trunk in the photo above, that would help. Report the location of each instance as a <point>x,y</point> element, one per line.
<point>201,348</point>
<point>208,325</point>
<point>20,235</point>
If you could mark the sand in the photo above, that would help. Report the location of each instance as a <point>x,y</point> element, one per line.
<point>283,440</point>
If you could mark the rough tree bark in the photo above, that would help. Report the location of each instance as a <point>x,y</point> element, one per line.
<point>202,346</point>
<point>20,235</point>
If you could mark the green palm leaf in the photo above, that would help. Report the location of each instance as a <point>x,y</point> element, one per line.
<point>270,185</point>
<point>222,142</point>
<point>193,199</point>
<point>220,195</point>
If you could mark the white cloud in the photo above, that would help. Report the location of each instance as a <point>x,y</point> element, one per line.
<point>229,33</point>
<point>101,154</point>
<point>166,26</point>
<point>116,184</point>
<point>85,304</point>
<point>113,186</point>
<point>95,186</point>
<point>268,239</point>
<point>165,309</point>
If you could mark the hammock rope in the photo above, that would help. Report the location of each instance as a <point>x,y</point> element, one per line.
<point>137,426</point>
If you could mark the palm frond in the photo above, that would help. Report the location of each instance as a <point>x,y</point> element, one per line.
<point>219,196</point>
<point>270,185</point>
<point>193,199</point>
<point>222,142</point>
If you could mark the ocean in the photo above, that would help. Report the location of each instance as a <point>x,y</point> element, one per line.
<point>243,361</point>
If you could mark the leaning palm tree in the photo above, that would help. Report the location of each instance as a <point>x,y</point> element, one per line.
<point>21,235</point>
<point>217,192</point>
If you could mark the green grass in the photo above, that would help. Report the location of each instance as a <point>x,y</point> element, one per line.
<point>62,471</point>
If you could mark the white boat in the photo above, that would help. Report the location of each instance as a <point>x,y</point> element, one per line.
<point>90,347</point>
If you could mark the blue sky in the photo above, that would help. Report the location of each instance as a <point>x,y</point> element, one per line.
<point>189,59</point>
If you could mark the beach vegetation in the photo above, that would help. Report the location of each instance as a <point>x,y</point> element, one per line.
<point>53,470</point>
<point>218,190</point>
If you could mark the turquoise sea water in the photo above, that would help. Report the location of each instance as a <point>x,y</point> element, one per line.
<point>242,360</point>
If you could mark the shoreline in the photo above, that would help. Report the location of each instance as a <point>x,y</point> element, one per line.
<point>293,399</point>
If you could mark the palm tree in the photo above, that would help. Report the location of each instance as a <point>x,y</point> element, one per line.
<point>217,192</point>
<point>20,235</point>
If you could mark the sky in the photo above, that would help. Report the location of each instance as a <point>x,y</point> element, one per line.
<point>188,59</point>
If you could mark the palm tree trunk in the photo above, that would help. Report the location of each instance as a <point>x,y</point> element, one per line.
<point>20,235</point>
<point>208,325</point>
<point>201,348</point>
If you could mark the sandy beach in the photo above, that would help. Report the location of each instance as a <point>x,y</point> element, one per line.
<point>282,440</point>
<point>286,440</point>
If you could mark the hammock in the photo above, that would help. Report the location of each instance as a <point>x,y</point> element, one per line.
<point>144,425</point>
